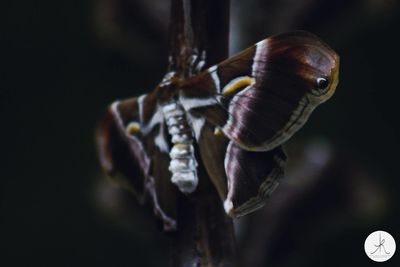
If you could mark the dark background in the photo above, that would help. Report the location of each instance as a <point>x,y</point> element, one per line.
<point>62,62</point>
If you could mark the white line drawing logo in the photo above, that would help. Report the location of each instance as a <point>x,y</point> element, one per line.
<point>380,246</point>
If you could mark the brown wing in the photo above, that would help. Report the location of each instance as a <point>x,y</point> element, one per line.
<point>263,95</point>
<point>212,150</point>
<point>258,98</point>
<point>243,179</point>
<point>133,150</point>
<point>120,152</point>
<point>252,177</point>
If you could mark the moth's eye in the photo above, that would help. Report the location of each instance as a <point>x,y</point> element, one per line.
<point>322,83</point>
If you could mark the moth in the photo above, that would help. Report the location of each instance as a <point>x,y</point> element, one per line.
<point>233,118</point>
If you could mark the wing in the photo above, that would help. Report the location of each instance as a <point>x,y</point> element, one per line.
<point>243,179</point>
<point>258,99</point>
<point>252,177</point>
<point>263,95</point>
<point>133,150</point>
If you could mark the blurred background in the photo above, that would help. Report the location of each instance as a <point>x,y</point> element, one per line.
<point>64,61</point>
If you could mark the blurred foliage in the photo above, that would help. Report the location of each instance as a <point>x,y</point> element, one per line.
<point>64,61</point>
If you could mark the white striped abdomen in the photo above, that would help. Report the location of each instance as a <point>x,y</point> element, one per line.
<point>183,162</point>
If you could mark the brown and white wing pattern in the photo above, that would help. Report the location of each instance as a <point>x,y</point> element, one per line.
<point>240,113</point>
<point>252,177</point>
<point>133,148</point>
<point>260,97</point>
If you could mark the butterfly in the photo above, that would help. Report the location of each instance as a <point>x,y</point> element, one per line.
<point>232,118</point>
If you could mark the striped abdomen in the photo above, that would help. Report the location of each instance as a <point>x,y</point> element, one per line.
<point>183,162</point>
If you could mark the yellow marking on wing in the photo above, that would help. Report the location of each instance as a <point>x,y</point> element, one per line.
<point>218,131</point>
<point>133,128</point>
<point>237,83</point>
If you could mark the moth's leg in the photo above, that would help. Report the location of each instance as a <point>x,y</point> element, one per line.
<point>201,63</point>
<point>167,78</point>
<point>170,63</point>
<point>197,62</point>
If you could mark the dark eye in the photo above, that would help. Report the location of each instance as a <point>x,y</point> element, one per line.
<point>322,83</point>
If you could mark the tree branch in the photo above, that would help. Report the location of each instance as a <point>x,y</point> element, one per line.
<point>205,234</point>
